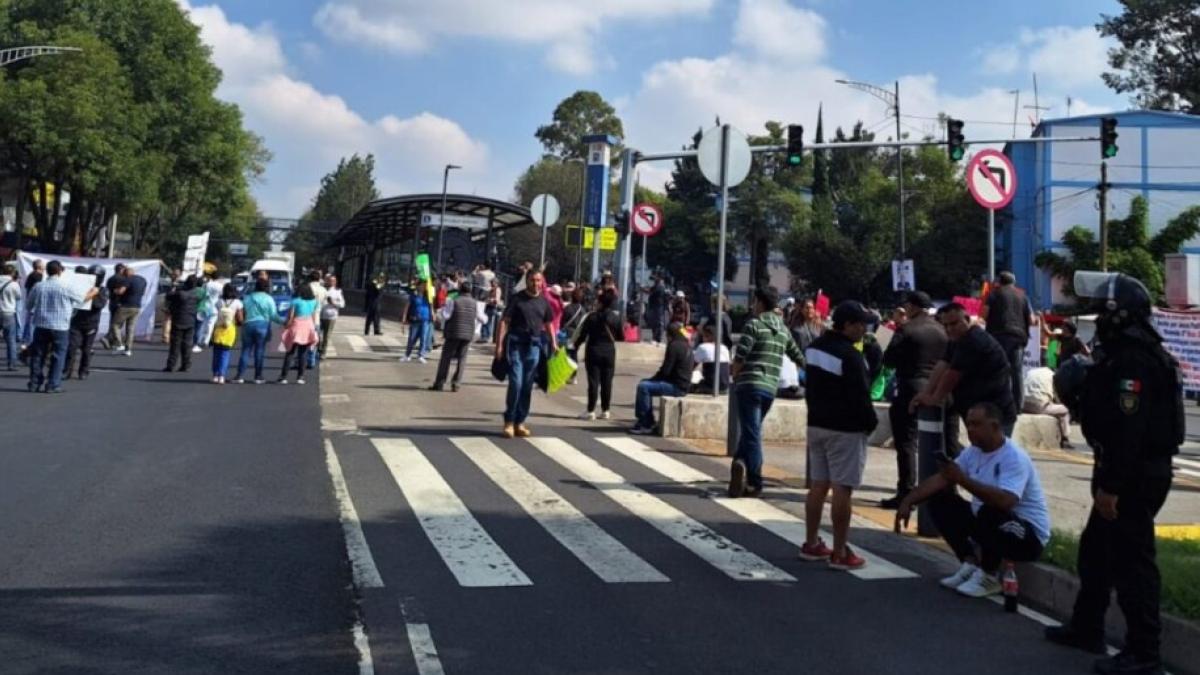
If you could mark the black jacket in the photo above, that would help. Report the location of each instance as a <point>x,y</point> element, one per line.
<point>677,364</point>
<point>916,348</point>
<point>182,305</point>
<point>88,320</point>
<point>838,393</point>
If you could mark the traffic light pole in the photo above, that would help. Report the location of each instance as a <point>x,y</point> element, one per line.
<point>1103,216</point>
<point>900,173</point>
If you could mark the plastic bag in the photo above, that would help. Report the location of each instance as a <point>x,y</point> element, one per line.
<point>560,369</point>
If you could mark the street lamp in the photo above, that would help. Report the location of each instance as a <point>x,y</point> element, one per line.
<point>442,222</point>
<point>892,98</point>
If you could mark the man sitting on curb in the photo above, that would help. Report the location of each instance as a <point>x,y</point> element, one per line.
<point>1007,518</point>
<point>673,378</point>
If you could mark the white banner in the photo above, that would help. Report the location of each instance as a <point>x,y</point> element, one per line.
<point>146,269</point>
<point>193,257</point>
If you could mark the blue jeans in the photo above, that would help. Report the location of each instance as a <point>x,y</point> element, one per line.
<point>52,345</point>
<point>10,327</point>
<point>312,353</point>
<point>419,331</point>
<point>523,355</point>
<point>255,337</point>
<point>753,404</point>
<point>643,405</point>
<point>220,360</point>
<point>485,333</point>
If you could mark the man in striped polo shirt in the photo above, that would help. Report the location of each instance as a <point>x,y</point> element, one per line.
<point>756,365</point>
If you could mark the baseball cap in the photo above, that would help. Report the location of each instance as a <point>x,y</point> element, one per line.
<point>850,311</point>
<point>919,299</point>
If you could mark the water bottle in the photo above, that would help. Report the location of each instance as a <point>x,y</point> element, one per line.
<point>1008,583</point>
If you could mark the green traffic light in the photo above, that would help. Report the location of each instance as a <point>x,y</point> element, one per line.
<point>957,154</point>
<point>1110,151</point>
<point>794,160</point>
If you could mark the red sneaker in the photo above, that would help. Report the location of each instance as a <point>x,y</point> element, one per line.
<point>846,561</point>
<point>815,552</point>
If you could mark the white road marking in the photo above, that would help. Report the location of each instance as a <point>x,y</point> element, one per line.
<point>338,424</point>
<point>362,563</point>
<point>467,549</point>
<point>767,516</point>
<point>366,664</point>
<point>358,343</point>
<point>1187,463</point>
<point>335,398</point>
<point>390,342</point>
<point>424,652</point>
<point>1187,472</point>
<point>600,551</point>
<point>713,548</point>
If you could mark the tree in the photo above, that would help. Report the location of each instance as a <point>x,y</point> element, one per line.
<point>1158,60</point>
<point>822,193</point>
<point>343,193</point>
<point>563,181</point>
<point>581,114</point>
<point>1131,249</point>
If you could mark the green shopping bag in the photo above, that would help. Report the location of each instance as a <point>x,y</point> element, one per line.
<point>560,368</point>
<point>879,387</point>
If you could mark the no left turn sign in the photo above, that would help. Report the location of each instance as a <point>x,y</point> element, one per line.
<point>647,220</point>
<point>991,179</point>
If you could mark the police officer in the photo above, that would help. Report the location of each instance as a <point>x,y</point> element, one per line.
<point>913,352</point>
<point>85,324</point>
<point>1131,410</point>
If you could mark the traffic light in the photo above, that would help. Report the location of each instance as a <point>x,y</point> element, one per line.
<point>955,141</point>
<point>795,147</point>
<point>621,222</point>
<point>1108,137</point>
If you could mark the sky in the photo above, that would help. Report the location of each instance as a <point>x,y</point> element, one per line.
<point>421,84</point>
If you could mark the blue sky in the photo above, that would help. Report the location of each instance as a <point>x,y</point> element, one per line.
<point>423,83</point>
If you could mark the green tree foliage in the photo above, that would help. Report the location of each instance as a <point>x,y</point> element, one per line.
<point>1131,249</point>
<point>130,127</point>
<point>581,114</point>
<point>1158,60</point>
<point>343,192</point>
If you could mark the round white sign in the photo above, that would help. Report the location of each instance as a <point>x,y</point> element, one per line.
<point>544,210</point>
<point>709,156</point>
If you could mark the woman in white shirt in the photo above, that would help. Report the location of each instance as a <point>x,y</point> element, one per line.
<point>334,301</point>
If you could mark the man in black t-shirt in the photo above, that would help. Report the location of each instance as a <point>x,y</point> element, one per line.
<point>974,370</point>
<point>116,288</point>
<point>128,299</point>
<point>525,328</point>
<point>1008,318</point>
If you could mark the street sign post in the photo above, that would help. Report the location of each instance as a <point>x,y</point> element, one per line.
<point>904,275</point>
<point>544,210</point>
<point>647,221</point>
<point>608,237</point>
<point>599,155</point>
<point>992,181</point>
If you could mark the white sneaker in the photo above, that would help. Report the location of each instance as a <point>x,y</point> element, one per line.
<point>240,381</point>
<point>405,359</point>
<point>605,415</point>
<point>260,382</point>
<point>980,585</point>
<point>300,380</point>
<point>423,360</point>
<point>282,380</point>
<point>196,349</point>
<point>587,416</point>
<point>960,577</point>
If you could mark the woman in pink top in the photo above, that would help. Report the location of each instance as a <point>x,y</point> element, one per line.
<point>300,332</point>
<point>554,299</point>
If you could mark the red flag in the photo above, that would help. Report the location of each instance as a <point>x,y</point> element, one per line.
<point>822,304</point>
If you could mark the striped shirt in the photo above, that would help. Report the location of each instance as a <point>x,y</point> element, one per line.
<point>765,341</point>
<point>51,304</point>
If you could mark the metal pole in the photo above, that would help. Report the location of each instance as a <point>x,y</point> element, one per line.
<point>991,245</point>
<point>582,201</point>
<point>542,260</point>
<point>644,240</point>
<point>595,243</point>
<point>1103,216</point>
<point>442,222</point>
<point>112,236</point>
<point>721,252</point>
<point>931,440</point>
<point>623,258</point>
<point>900,172</point>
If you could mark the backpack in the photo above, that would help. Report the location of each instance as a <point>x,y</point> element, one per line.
<point>225,316</point>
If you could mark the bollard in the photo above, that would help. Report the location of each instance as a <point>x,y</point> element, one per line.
<point>733,431</point>
<point>930,441</point>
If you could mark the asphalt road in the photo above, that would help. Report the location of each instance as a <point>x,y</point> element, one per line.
<point>158,523</point>
<point>565,554</point>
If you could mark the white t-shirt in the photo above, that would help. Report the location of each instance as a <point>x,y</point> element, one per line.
<point>1039,386</point>
<point>1010,469</point>
<point>789,374</point>
<point>9,296</point>
<point>706,354</point>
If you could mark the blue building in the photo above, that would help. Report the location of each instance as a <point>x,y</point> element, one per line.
<point>1057,183</point>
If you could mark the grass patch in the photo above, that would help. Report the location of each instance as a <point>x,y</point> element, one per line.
<point>1178,562</point>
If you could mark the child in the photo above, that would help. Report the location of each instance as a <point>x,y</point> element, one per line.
<point>300,332</point>
<point>229,315</point>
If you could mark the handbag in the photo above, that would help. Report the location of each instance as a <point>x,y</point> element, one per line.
<point>559,370</point>
<point>632,333</point>
<point>500,369</point>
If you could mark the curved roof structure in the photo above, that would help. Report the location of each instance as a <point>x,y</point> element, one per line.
<point>387,222</point>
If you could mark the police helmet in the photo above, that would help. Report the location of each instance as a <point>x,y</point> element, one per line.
<point>1119,299</point>
<point>1069,380</point>
<point>81,269</point>
<point>99,271</point>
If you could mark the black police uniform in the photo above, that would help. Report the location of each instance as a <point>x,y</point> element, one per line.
<point>85,325</point>
<point>913,352</point>
<point>1131,413</point>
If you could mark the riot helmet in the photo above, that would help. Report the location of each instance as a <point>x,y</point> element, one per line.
<point>1120,300</point>
<point>100,272</point>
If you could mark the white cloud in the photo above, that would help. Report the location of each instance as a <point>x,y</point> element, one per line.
<point>567,29</point>
<point>1065,57</point>
<point>309,130</point>
<point>776,29</point>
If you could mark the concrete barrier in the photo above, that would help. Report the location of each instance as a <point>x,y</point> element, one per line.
<point>700,416</point>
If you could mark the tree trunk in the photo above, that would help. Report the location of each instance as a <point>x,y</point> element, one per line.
<point>22,200</point>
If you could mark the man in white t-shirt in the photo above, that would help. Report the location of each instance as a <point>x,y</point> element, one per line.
<point>1040,399</point>
<point>705,355</point>
<point>1006,519</point>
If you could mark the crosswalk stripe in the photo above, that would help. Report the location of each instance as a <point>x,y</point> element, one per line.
<point>715,549</point>
<point>600,551</point>
<point>358,343</point>
<point>1187,463</point>
<point>424,652</point>
<point>362,563</point>
<point>771,518</point>
<point>390,342</point>
<point>467,549</point>
<point>1189,473</point>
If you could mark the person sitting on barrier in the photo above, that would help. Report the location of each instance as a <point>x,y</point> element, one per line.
<point>1006,519</point>
<point>706,361</point>
<point>1040,399</point>
<point>673,378</point>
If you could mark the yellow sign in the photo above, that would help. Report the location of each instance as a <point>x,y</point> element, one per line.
<point>608,237</point>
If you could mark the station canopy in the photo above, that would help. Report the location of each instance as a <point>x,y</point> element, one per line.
<point>390,222</point>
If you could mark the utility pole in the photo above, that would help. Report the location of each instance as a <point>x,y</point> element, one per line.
<point>1103,216</point>
<point>892,99</point>
<point>1016,108</point>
